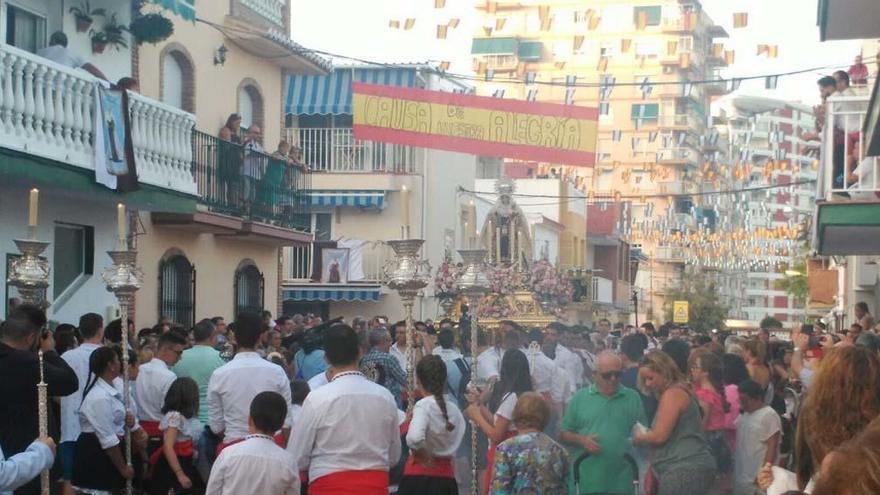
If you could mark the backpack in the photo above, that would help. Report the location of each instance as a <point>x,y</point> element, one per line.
<point>460,392</point>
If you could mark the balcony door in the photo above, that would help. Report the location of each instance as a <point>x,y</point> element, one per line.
<point>25,28</point>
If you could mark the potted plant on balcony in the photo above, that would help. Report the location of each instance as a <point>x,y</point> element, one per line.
<point>99,41</point>
<point>113,34</point>
<point>151,28</point>
<point>85,16</point>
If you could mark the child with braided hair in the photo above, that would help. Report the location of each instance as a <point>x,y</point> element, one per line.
<point>435,432</point>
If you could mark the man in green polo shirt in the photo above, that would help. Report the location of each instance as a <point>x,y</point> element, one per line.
<point>599,419</point>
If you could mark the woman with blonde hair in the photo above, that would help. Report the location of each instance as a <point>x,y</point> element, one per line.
<point>844,398</point>
<point>755,355</point>
<point>680,458</point>
<point>854,467</point>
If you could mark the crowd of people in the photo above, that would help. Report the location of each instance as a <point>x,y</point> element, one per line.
<point>298,405</point>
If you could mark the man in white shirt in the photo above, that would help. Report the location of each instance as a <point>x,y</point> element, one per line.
<point>25,466</point>
<point>398,349</point>
<point>154,380</point>
<point>58,52</point>
<point>91,327</point>
<point>348,432</point>
<point>563,357</point>
<point>235,384</point>
<point>757,438</point>
<point>257,464</point>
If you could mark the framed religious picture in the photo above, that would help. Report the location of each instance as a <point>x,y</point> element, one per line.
<point>334,265</point>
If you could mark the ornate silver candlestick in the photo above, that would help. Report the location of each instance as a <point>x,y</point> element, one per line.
<point>123,279</point>
<point>407,275</point>
<point>473,284</point>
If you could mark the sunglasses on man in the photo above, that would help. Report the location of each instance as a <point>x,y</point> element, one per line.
<point>611,374</point>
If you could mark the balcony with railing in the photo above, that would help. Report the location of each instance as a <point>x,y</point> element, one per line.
<point>848,192</point>
<point>681,155</point>
<point>603,290</point>
<point>299,264</point>
<point>336,150</point>
<point>271,10</point>
<point>683,121</point>
<point>48,110</point>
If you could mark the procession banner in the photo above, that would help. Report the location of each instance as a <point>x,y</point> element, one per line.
<point>479,125</point>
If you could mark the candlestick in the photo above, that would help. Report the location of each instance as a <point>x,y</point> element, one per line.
<point>472,218</point>
<point>465,238</point>
<point>404,200</point>
<point>33,207</point>
<point>121,224</point>
<point>43,420</point>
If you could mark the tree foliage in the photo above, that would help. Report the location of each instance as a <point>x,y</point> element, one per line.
<point>705,309</point>
<point>770,322</point>
<point>795,284</point>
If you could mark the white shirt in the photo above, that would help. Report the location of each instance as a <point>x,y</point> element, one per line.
<point>571,363</point>
<point>78,360</point>
<point>119,385</point>
<point>488,365</point>
<point>399,355</point>
<point>446,355</point>
<point>752,432</point>
<point>350,424</point>
<point>24,466</point>
<point>103,414</point>
<point>154,380</point>
<point>318,381</point>
<point>256,465</point>
<point>62,55</point>
<point>234,385</point>
<point>543,370</point>
<point>427,430</point>
<point>505,409</point>
<point>184,426</point>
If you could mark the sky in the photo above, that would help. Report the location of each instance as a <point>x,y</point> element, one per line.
<point>359,28</point>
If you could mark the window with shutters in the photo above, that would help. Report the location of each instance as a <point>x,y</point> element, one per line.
<point>178,78</point>
<point>250,104</point>
<point>177,284</point>
<point>249,289</point>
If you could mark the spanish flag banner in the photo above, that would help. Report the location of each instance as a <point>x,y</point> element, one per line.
<point>409,23</point>
<point>499,23</point>
<point>394,24</point>
<point>441,31</point>
<point>740,19</point>
<point>439,4</point>
<point>453,23</point>
<point>548,132</point>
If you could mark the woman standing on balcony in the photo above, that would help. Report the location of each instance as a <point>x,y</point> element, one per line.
<point>229,162</point>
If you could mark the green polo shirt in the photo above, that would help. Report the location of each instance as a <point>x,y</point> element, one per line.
<point>611,419</point>
<point>199,362</point>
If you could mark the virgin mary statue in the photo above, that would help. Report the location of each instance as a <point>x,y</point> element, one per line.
<point>506,232</point>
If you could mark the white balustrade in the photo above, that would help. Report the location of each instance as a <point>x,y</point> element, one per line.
<point>273,10</point>
<point>374,255</point>
<point>48,110</point>
<point>603,290</point>
<point>336,150</point>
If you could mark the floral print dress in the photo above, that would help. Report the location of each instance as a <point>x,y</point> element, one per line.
<point>530,464</point>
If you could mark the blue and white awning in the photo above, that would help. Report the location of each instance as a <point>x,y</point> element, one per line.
<point>331,94</point>
<point>357,199</point>
<point>368,294</point>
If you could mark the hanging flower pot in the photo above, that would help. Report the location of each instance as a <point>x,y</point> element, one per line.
<point>151,28</point>
<point>99,42</point>
<point>83,24</point>
<point>84,16</point>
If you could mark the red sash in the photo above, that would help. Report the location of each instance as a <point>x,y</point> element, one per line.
<point>182,449</point>
<point>442,468</point>
<point>279,441</point>
<point>152,429</point>
<point>370,482</point>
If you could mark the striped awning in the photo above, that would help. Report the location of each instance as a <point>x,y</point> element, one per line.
<point>331,94</point>
<point>369,294</point>
<point>356,199</point>
<point>183,8</point>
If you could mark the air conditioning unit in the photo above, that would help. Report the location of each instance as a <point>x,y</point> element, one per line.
<point>865,271</point>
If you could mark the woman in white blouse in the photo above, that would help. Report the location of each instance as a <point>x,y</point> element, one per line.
<point>434,434</point>
<point>99,466</point>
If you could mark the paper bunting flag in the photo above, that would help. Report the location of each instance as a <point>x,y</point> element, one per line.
<point>652,136</point>
<point>593,22</point>
<point>394,24</point>
<point>691,19</point>
<point>718,49</point>
<point>641,20</point>
<point>491,7</point>
<point>729,57</point>
<point>530,77</point>
<point>444,66</point>
<point>603,64</point>
<point>559,65</point>
<point>532,95</point>
<point>439,4</point>
<point>772,51</point>
<point>453,23</point>
<point>616,134</point>
<point>686,89</point>
<point>740,19</point>
<point>634,142</point>
<point>733,84</point>
<point>671,47</point>
<point>667,141</point>
<point>441,31</point>
<point>487,30</point>
<point>604,108</point>
<point>544,16</point>
<point>520,69</point>
<point>770,82</point>
<point>569,96</point>
<point>682,137</point>
<point>480,68</point>
<point>578,42</point>
<point>490,74</point>
<point>499,93</point>
<point>499,23</point>
<point>570,80</point>
<point>625,45</point>
<point>409,23</point>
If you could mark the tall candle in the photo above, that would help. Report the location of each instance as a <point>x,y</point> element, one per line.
<point>121,223</point>
<point>498,244</point>
<point>464,237</point>
<point>472,220</point>
<point>404,200</point>
<point>33,206</point>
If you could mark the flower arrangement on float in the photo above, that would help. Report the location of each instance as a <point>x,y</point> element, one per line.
<point>550,286</point>
<point>446,279</point>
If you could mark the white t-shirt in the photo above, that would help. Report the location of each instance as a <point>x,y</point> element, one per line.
<point>505,409</point>
<point>752,432</point>
<point>62,55</point>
